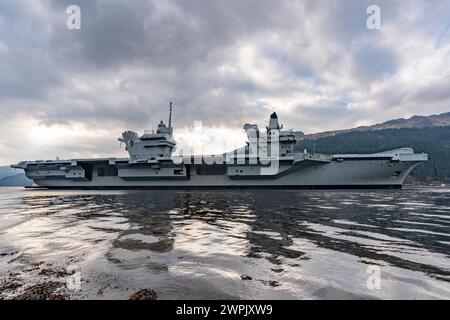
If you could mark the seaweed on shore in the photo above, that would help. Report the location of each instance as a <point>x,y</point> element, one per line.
<point>144,294</point>
<point>43,291</point>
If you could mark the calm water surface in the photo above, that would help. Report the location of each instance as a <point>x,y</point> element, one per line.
<point>200,245</point>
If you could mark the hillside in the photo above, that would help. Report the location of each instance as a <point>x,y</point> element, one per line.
<point>10,177</point>
<point>418,122</point>
<point>432,140</point>
<point>16,180</point>
<point>6,171</point>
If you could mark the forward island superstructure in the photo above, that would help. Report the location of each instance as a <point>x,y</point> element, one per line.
<point>268,160</point>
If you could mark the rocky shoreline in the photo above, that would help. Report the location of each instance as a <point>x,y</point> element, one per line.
<point>50,283</point>
<point>46,281</point>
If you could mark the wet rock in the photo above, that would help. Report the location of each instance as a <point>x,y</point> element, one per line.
<point>38,264</point>
<point>275,260</point>
<point>32,268</point>
<point>253,255</point>
<point>43,291</point>
<point>53,273</point>
<point>246,277</point>
<point>144,294</point>
<point>271,283</point>
<point>4,254</point>
<point>8,286</point>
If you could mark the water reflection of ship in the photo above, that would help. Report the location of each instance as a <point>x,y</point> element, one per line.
<point>265,230</point>
<point>299,215</point>
<point>149,216</point>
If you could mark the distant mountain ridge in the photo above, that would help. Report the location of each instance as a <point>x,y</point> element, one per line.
<point>415,122</point>
<point>10,177</point>
<point>17,180</point>
<point>6,171</point>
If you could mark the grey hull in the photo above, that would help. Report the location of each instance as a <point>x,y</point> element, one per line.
<point>357,174</point>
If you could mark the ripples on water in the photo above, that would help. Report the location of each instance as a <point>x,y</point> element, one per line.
<point>197,245</point>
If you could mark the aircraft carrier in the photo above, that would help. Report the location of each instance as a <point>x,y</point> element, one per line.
<point>268,160</point>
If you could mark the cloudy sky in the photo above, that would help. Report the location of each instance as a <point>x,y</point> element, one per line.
<point>70,93</point>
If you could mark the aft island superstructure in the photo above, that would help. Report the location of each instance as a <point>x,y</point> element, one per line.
<point>268,160</point>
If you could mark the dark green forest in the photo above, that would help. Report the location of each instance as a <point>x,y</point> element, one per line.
<point>433,140</point>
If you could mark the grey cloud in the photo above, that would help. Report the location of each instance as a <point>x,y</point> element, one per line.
<point>25,69</point>
<point>372,62</point>
<point>436,91</point>
<point>132,57</point>
<point>116,33</point>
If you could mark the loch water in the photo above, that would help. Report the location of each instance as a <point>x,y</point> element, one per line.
<point>242,244</point>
